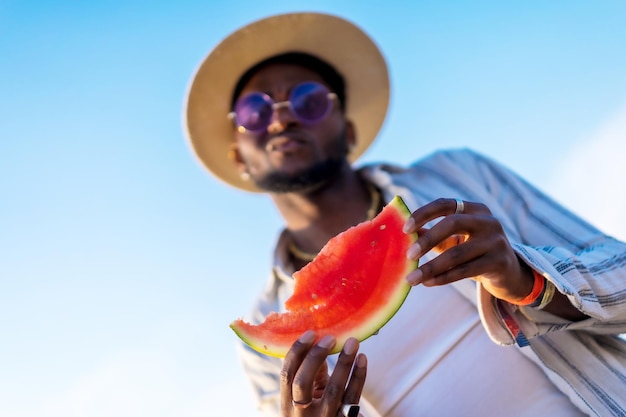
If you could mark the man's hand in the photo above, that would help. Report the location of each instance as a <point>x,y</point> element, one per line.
<point>308,390</point>
<point>472,244</point>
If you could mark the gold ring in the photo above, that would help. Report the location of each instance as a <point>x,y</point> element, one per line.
<point>301,404</point>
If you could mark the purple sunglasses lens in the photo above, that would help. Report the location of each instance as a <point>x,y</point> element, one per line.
<point>309,102</point>
<point>254,111</point>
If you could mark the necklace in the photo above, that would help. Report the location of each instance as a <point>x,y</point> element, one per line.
<point>371,212</point>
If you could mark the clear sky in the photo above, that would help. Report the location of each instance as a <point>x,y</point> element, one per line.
<point>122,261</point>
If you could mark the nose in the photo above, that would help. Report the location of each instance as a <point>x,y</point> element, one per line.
<point>282,117</point>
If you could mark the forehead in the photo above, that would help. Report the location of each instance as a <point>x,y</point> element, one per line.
<point>280,77</point>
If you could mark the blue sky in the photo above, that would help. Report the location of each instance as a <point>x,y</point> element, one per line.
<point>122,261</point>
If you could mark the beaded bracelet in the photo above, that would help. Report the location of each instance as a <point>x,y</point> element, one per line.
<point>546,297</point>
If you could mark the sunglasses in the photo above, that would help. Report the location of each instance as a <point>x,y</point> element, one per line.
<point>309,102</point>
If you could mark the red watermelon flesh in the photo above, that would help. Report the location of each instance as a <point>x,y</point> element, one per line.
<point>351,289</point>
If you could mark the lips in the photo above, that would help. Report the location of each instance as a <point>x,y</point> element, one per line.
<point>284,143</point>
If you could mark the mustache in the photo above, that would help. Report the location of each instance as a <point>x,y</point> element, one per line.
<point>285,136</point>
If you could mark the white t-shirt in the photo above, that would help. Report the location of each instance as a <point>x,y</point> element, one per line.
<point>446,365</point>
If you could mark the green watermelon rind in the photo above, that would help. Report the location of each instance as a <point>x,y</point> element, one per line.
<point>370,327</point>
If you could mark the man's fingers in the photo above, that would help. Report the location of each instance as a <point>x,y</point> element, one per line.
<point>357,380</point>
<point>334,393</point>
<point>321,380</point>
<point>439,208</point>
<point>291,364</point>
<point>300,376</point>
<point>304,379</point>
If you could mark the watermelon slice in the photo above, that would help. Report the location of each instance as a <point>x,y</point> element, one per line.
<point>351,289</point>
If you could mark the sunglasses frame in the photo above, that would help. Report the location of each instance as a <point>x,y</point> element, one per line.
<point>276,105</point>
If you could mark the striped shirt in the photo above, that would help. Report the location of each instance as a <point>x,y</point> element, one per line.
<point>584,361</point>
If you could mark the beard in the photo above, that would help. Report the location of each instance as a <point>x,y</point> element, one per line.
<point>309,179</point>
<point>306,180</point>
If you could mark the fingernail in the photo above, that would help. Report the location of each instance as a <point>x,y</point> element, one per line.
<point>351,346</point>
<point>307,337</point>
<point>327,341</point>
<point>361,360</point>
<point>414,252</point>
<point>414,277</point>
<point>409,225</point>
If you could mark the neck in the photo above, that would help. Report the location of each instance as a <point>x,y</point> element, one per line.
<point>313,218</point>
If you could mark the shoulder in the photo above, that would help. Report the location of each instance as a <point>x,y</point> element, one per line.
<point>460,161</point>
<point>449,166</point>
<point>461,156</point>
<point>456,155</point>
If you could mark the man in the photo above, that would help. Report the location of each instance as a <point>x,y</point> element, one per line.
<point>284,106</point>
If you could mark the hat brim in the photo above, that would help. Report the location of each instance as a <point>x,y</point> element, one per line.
<point>339,42</point>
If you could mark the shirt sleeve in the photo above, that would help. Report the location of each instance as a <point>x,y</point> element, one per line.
<point>586,265</point>
<point>262,370</point>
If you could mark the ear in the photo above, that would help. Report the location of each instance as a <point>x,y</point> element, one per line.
<point>235,156</point>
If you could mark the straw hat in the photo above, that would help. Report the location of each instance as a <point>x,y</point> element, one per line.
<point>339,42</point>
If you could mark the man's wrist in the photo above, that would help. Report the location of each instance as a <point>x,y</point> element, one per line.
<point>535,295</point>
